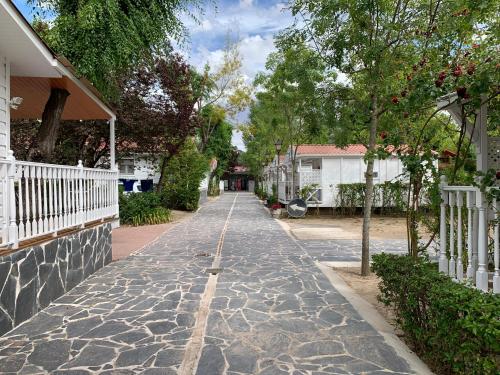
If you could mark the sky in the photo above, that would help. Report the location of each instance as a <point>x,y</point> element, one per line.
<point>253,22</point>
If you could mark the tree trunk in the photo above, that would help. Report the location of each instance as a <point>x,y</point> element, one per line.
<point>365,243</point>
<point>163,167</point>
<point>45,140</point>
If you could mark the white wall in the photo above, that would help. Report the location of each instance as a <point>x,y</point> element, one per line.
<point>351,169</point>
<point>144,169</point>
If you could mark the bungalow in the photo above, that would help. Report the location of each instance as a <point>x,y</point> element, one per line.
<point>323,167</point>
<point>55,220</point>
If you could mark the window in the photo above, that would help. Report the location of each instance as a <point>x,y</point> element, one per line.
<point>126,166</point>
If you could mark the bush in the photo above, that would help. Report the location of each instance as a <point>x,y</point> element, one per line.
<point>389,197</point>
<point>184,173</point>
<point>454,328</point>
<point>143,208</point>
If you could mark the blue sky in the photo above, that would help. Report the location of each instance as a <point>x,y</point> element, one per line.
<point>253,22</point>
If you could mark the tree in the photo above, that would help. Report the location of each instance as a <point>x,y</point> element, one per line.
<point>104,41</point>
<point>287,106</point>
<point>226,93</point>
<point>371,42</point>
<point>219,147</point>
<point>157,111</point>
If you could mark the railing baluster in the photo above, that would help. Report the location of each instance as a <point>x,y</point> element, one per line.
<point>56,202</point>
<point>452,265</point>
<point>34,217</point>
<point>19,178</point>
<point>50,172</point>
<point>460,265</point>
<point>45,210</point>
<point>470,206</point>
<point>27,227</point>
<point>64,181</point>
<point>41,228</point>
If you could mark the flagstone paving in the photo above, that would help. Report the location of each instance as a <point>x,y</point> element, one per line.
<point>273,311</point>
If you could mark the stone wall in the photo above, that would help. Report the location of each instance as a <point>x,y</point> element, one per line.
<point>30,279</point>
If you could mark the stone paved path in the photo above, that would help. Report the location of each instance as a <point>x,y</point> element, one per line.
<point>272,312</point>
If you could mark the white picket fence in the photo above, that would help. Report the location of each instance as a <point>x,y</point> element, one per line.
<point>469,223</point>
<point>40,199</point>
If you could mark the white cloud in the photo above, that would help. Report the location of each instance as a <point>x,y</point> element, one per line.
<point>246,3</point>
<point>254,23</point>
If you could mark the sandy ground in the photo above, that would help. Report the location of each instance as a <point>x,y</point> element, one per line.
<point>128,239</point>
<point>367,288</point>
<point>349,228</point>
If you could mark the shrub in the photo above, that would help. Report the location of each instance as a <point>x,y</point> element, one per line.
<point>389,196</point>
<point>184,173</point>
<point>143,208</point>
<point>456,329</point>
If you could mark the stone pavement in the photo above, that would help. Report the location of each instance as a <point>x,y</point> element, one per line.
<point>273,311</point>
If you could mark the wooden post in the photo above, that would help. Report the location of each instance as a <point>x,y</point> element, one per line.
<point>112,157</point>
<point>443,261</point>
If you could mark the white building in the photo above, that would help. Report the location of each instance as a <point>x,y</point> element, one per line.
<point>325,167</point>
<point>138,172</point>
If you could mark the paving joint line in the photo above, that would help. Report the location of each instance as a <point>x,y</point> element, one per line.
<point>194,348</point>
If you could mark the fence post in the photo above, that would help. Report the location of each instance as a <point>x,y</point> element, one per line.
<point>452,264</point>
<point>482,245</point>
<point>443,261</point>
<point>117,193</point>
<point>11,201</point>
<point>80,195</point>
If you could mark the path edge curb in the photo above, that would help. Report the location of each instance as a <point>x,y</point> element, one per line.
<point>373,317</point>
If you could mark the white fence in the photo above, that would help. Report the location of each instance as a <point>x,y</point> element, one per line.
<point>40,199</point>
<point>469,224</point>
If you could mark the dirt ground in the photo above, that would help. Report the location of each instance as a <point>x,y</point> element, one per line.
<point>128,239</point>
<point>333,227</point>
<point>365,287</point>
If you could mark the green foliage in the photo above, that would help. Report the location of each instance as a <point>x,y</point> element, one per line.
<point>389,196</point>
<point>142,209</point>
<point>260,191</point>
<point>104,39</point>
<point>456,329</point>
<point>183,175</point>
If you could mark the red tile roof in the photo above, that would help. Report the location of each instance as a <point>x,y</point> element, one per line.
<point>356,149</point>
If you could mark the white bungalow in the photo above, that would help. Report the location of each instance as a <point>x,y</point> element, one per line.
<point>60,216</point>
<point>325,167</point>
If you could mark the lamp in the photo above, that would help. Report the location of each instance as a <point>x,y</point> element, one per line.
<point>15,102</point>
<point>277,145</point>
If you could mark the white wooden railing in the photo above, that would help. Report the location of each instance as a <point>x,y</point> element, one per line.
<point>40,199</point>
<point>469,224</point>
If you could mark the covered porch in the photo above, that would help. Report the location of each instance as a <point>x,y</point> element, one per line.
<point>38,199</point>
<point>469,248</point>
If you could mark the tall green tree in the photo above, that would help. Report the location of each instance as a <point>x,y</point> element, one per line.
<point>371,43</point>
<point>104,41</point>
<point>287,106</point>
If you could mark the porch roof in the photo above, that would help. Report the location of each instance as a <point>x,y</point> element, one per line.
<point>330,150</point>
<point>35,69</point>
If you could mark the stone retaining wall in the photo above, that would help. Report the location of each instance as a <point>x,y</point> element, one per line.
<point>30,279</point>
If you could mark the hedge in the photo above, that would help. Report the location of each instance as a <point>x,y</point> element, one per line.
<point>453,327</point>
<point>143,209</point>
<point>389,197</point>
